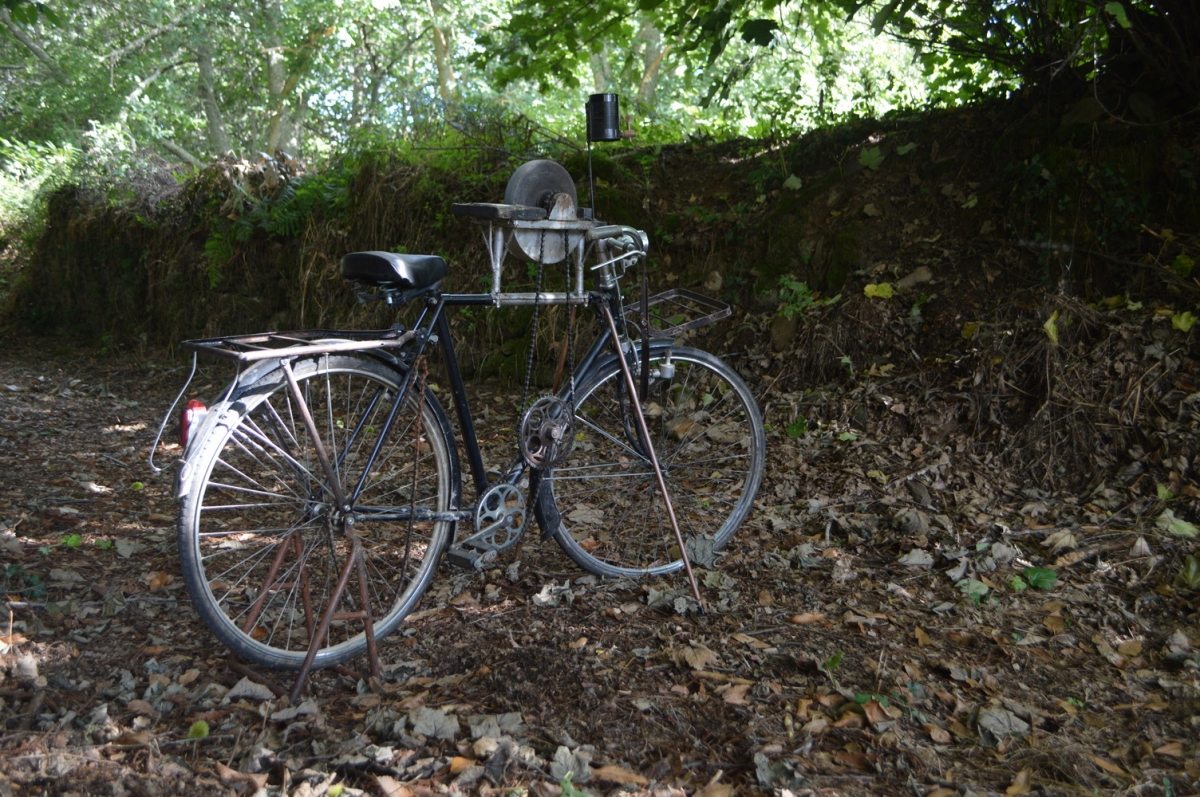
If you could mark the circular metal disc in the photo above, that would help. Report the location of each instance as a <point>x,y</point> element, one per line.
<point>536,182</point>
<point>543,184</point>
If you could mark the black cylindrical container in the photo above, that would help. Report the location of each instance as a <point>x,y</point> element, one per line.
<point>603,118</point>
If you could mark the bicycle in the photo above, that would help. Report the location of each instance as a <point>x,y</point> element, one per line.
<point>328,458</point>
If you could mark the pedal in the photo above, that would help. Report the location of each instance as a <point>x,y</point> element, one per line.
<point>470,558</point>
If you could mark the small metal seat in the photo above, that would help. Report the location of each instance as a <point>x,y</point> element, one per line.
<point>391,270</point>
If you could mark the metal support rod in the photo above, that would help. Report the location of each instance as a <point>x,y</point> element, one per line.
<point>322,629</point>
<point>645,430</point>
<point>365,599</point>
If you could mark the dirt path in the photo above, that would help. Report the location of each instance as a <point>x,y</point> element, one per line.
<point>869,634</point>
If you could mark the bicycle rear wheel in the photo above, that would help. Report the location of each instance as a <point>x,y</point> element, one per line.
<point>708,435</point>
<point>260,537</point>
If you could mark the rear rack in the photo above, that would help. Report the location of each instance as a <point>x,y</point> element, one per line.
<point>677,310</point>
<point>302,343</point>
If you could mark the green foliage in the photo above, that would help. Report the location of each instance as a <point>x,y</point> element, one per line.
<point>72,540</point>
<point>974,589</point>
<point>797,427</point>
<point>795,299</point>
<point>1188,576</point>
<point>568,788</point>
<point>871,157</point>
<point>1040,577</point>
<point>198,730</point>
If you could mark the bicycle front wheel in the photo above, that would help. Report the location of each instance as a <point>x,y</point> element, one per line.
<point>707,432</point>
<point>261,540</point>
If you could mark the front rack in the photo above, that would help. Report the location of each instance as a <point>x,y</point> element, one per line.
<point>276,345</point>
<point>677,310</point>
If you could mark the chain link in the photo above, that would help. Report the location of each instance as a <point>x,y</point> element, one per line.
<point>541,264</point>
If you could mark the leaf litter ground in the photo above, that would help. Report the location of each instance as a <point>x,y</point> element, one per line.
<point>899,615</point>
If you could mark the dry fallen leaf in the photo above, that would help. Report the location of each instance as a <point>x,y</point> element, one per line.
<point>1054,624</point>
<point>922,637</point>
<point>1020,784</point>
<point>578,643</point>
<point>938,734</point>
<point>1106,765</point>
<point>1130,648</point>
<point>189,676</point>
<point>699,657</point>
<point>875,713</point>
<point>736,694</point>
<point>460,763</point>
<point>611,773</point>
<point>806,617</point>
<point>1173,749</point>
<point>392,787</point>
<point>716,790</point>
<point>230,776</point>
<point>765,599</point>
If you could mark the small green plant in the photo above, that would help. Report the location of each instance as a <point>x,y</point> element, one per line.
<point>568,788</point>
<point>72,540</point>
<point>871,157</point>
<point>103,545</point>
<point>1188,576</point>
<point>829,665</point>
<point>1018,584</point>
<point>1164,493</point>
<point>795,299</point>
<point>1076,702</point>
<point>797,427</point>
<point>974,589</point>
<point>1040,577</point>
<point>846,361</point>
<point>199,730</point>
<point>847,437</point>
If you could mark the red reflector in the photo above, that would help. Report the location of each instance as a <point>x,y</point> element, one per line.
<point>191,417</point>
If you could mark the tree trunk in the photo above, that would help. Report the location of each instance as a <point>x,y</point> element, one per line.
<point>218,137</point>
<point>652,59</point>
<point>601,74</point>
<point>447,87</point>
<point>280,131</point>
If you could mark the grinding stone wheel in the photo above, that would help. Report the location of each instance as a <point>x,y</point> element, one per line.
<point>543,184</point>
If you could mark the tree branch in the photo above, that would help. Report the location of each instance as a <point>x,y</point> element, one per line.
<point>31,45</point>
<point>118,54</point>
<point>180,152</point>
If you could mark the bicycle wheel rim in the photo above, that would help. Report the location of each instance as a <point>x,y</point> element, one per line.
<point>261,546</point>
<point>707,433</point>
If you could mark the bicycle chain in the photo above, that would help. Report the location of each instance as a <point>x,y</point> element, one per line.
<point>421,366</point>
<point>541,264</point>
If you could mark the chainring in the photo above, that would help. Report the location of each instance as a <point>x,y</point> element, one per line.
<point>547,433</point>
<point>499,518</point>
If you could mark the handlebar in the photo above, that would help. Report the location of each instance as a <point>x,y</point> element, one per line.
<point>639,239</point>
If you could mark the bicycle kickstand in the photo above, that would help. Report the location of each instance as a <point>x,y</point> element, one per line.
<point>645,432</point>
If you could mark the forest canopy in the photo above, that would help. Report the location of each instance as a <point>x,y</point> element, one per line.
<point>189,81</point>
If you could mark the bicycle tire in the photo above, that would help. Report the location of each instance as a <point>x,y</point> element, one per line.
<point>708,435</point>
<point>256,492</point>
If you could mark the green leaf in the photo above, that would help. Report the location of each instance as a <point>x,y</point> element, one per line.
<point>793,183</point>
<point>1018,584</point>
<point>833,661</point>
<point>1188,576</point>
<point>199,730</point>
<point>847,437</point>
<point>1177,526</point>
<point>797,427</point>
<point>103,545</point>
<point>1164,493</point>
<point>904,149</point>
<point>72,540</point>
<point>971,202</point>
<point>881,291</point>
<point>759,31</point>
<point>1118,12</point>
<point>1040,577</point>
<point>871,157</point>
<point>137,486</point>
<point>1182,265</point>
<point>1183,321</point>
<point>973,588</point>
<point>1051,327</point>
